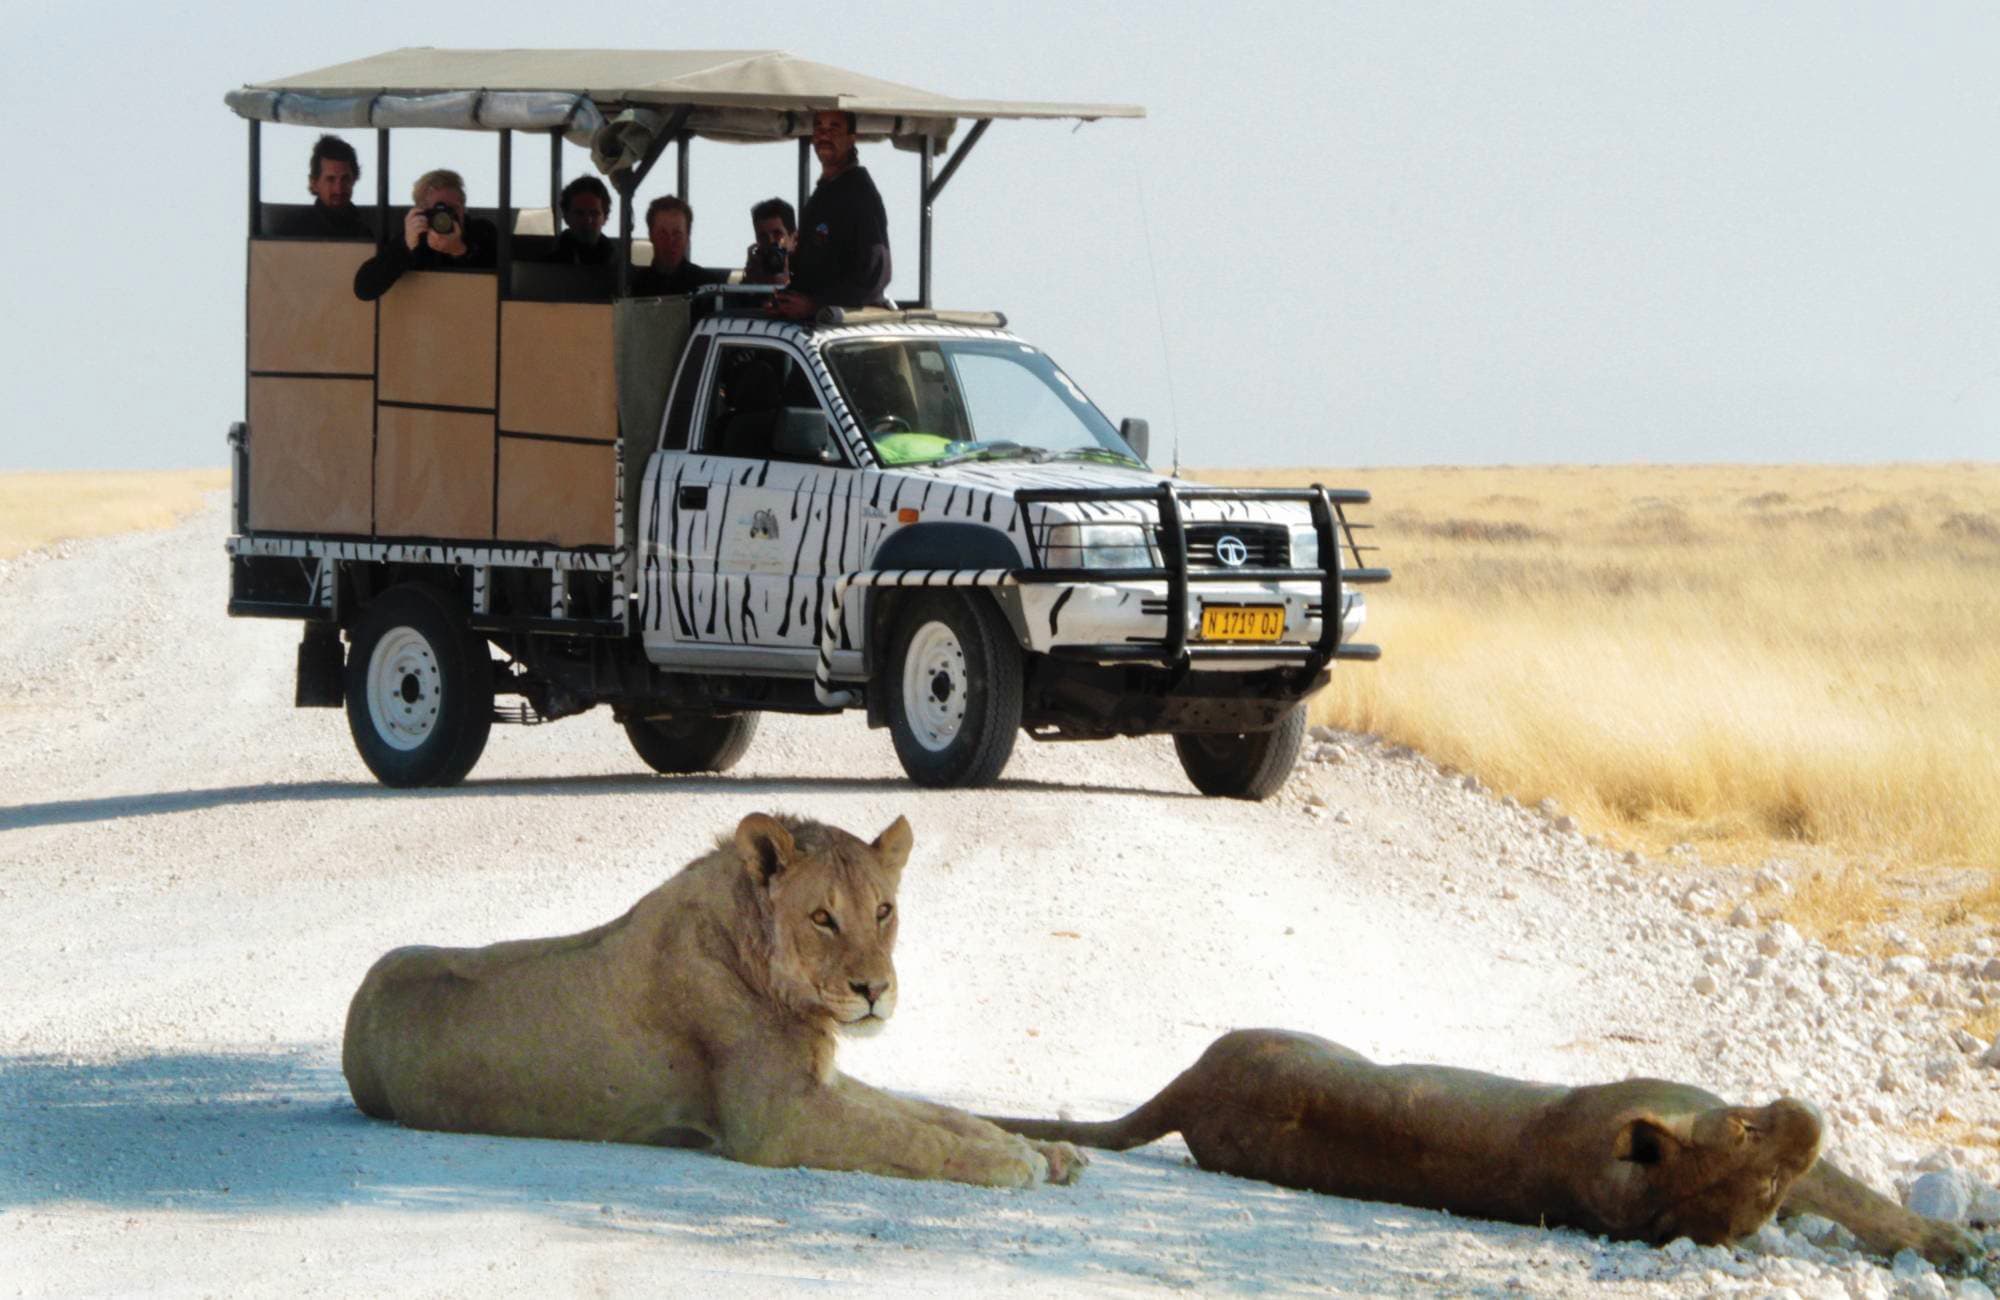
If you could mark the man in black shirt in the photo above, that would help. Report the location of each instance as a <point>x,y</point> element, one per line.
<point>331,181</point>
<point>842,255</point>
<point>669,221</point>
<point>586,206</point>
<point>436,237</point>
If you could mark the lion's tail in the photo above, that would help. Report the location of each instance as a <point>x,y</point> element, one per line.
<point>1150,1122</point>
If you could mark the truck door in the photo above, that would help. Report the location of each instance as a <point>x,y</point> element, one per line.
<point>779,499</point>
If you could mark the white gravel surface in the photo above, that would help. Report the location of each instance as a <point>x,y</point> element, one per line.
<point>194,876</point>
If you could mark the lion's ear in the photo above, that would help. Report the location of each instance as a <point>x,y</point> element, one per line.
<point>765,846</point>
<point>893,844</point>
<point>1646,1140</point>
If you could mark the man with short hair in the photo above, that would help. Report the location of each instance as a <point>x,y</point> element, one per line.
<point>776,228</point>
<point>669,223</point>
<point>841,258</point>
<point>436,237</point>
<point>331,180</point>
<point>586,206</point>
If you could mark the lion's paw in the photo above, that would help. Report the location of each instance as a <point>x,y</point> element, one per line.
<point>1950,1247</point>
<point>1066,1162</point>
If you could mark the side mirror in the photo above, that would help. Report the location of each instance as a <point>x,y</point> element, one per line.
<point>1135,433</point>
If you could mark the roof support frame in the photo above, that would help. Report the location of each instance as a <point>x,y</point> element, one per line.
<point>628,182</point>
<point>928,191</point>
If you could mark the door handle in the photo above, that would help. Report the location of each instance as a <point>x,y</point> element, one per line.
<point>694,496</point>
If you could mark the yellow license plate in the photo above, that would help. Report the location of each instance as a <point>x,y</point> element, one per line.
<point>1242,622</point>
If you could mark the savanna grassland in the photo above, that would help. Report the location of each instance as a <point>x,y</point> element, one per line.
<point>1801,660</point>
<point>39,508</point>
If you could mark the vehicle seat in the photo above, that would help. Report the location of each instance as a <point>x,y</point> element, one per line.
<point>755,410</point>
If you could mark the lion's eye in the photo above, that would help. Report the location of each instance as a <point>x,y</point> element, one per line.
<point>824,920</point>
<point>882,912</point>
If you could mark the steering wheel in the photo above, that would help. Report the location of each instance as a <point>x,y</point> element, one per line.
<point>889,424</point>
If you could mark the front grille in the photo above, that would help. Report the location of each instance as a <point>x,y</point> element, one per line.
<point>1268,546</point>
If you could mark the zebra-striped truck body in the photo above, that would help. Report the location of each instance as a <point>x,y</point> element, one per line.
<point>917,515</point>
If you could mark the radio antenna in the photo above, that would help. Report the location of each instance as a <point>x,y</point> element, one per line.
<point>1159,313</point>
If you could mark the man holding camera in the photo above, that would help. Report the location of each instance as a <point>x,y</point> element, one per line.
<point>776,228</point>
<point>841,258</point>
<point>436,237</point>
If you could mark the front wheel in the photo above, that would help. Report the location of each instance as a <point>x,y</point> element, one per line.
<point>1244,765</point>
<point>954,684</point>
<point>676,745</point>
<point>419,689</point>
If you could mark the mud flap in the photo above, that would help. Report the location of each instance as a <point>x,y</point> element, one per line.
<point>322,659</point>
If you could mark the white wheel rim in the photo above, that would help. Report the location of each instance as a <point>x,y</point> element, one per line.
<point>405,688</point>
<point>934,686</point>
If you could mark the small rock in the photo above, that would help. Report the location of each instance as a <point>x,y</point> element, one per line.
<point>1564,823</point>
<point>1507,894</point>
<point>1699,898</point>
<point>1991,970</point>
<point>1964,1041</point>
<point>1679,1248</point>
<point>1342,817</point>
<point>1771,882</point>
<point>1779,938</point>
<point>1907,965</point>
<point>1940,1196</point>
<point>1899,942</point>
<point>1471,783</point>
<point>1705,984</point>
<point>1935,1161</point>
<point>1549,808</point>
<point>1744,917</point>
<point>1323,733</point>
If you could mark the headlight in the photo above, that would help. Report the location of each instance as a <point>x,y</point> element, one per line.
<point>1305,546</point>
<point>1098,546</point>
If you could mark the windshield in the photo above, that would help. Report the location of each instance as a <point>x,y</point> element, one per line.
<point>932,401</point>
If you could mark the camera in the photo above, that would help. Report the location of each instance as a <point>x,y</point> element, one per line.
<point>441,218</point>
<point>768,259</point>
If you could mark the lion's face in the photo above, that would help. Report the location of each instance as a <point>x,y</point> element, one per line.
<point>1715,1175</point>
<point>829,908</point>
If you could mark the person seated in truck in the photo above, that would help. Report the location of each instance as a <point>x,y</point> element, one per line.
<point>331,179</point>
<point>841,258</point>
<point>776,227</point>
<point>669,223</point>
<point>437,236</point>
<point>586,206</point>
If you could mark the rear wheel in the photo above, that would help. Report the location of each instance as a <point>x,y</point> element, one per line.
<point>681,743</point>
<point>419,689</point>
<point>1245,765</point>
<point>954,685</point>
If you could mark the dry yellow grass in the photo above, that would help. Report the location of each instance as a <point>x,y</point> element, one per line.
<point>1739,656</point>
<point>39,508</point>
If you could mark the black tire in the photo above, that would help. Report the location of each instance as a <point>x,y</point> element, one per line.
<point>1246,765</point>
<point>419,689</point>
<point>677,745</point>
<point>953,679</point>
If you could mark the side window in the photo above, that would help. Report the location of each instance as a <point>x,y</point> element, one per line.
<point>762,406</point>
<point>684,393</point>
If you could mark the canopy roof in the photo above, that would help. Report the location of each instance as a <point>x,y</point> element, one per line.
<point>730,94</point>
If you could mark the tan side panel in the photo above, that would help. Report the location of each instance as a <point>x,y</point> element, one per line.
<point>557,370</point>
<point>433,474</point>
<point>557,493</point>
<point>437,338</point>
<point>303,313</point>
<point>310,443</point>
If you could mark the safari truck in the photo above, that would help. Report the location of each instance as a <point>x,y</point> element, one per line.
<point>513,495</point>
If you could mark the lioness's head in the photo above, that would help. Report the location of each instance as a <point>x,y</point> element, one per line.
<point>827,903</point>
<point>1714,1174</point>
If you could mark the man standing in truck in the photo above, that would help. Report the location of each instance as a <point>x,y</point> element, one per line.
<point>841,258</point>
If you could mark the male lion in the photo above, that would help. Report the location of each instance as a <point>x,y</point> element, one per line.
<point>706,1016</point>
<point>1645,1159</point>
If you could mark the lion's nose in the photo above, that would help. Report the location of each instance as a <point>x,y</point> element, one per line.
<point>872,989</point>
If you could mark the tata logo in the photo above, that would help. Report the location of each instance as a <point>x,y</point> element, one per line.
<point>763,524</point>
<point>1229,549</point>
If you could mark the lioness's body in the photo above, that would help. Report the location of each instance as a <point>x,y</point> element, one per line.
<point>1645,1159</point>
<point>705,1016</point>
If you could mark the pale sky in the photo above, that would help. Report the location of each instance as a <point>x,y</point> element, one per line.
<point>1352,235</point>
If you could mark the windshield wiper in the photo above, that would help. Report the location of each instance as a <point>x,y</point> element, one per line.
<point>1101,455</point>
<point>992,451</point>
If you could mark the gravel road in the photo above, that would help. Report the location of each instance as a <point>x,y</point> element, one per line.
<point>194,876</point>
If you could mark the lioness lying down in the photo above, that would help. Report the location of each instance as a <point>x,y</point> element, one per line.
<point>1644,1159</point>
<point>706,1016</point>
